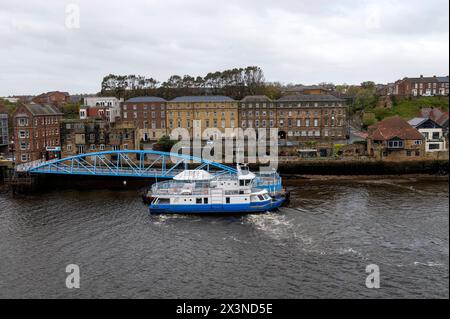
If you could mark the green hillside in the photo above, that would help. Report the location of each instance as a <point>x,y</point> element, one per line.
<point>405,108</point>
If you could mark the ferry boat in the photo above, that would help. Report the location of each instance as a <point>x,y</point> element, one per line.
<point>199,192</point>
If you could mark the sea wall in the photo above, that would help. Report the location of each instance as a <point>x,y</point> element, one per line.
<point>339,167</point>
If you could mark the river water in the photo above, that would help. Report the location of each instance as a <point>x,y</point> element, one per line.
<point>318,247</point>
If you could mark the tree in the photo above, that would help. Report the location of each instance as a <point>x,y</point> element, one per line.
<point>164,144</point>
<point>236,83</point>
<point>71,110</point>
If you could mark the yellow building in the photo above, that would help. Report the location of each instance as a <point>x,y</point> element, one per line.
<point>218,112</point>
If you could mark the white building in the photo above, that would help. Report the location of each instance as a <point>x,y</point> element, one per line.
<point>105,101</point>
<point>101,107</point>
<point>433,133</point>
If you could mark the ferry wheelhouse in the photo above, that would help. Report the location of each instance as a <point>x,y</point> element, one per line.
<point>199,192</point>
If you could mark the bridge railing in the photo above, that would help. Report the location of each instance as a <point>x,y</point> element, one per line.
<point>29,166</point>
<point>134,163</point>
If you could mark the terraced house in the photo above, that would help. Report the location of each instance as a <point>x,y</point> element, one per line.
<point>148,114</point>
<point>422,86</point>
<point>218,112</point>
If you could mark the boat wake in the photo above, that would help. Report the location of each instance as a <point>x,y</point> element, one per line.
<point>272,224</point>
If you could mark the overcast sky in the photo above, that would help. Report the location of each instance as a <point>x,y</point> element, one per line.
<point>298,41</point>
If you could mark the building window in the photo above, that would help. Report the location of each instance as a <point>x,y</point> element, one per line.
<point>436,135</point>
<point>434,146</point>
<point>23,122</point>
<point>396,144</point>
<point>102,147</point>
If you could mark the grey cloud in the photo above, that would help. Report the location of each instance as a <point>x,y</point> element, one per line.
<point>293,41</point>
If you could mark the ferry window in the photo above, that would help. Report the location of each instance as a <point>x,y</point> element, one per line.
<point>198,201</point>
<point>228,200</point>
<point>261,197</point>
<point>242,182</point>
<point>205,200</point>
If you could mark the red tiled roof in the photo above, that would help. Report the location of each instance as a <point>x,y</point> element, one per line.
<point>393,127</point>
<point>442,119</point>
<point>435,114</point>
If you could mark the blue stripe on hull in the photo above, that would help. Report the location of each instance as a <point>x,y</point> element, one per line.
<point>216,209</point>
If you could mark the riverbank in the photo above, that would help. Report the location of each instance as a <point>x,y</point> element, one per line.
<point>291,180</point>
<point>363,168</point>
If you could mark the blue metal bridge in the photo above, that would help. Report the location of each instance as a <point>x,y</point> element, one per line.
<point>125,163</point>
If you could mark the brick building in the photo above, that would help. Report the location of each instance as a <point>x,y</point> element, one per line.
<point>36,132</point>
<point>148,114</point>
<point>319,117</point>
<point>257,112</point>
<point>395,139</point>
<point>94,135</point>
<point>422,86</point>
<point>55,98</point>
